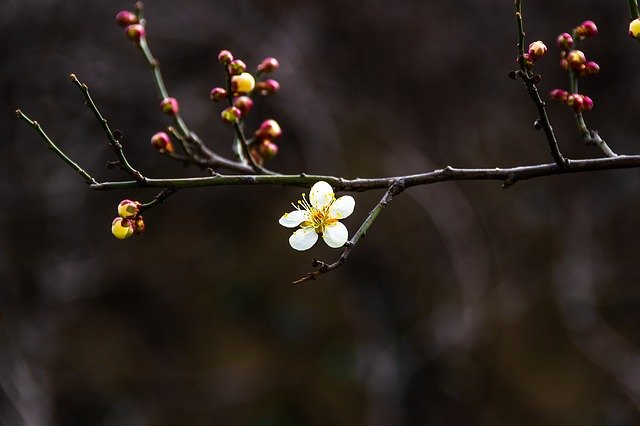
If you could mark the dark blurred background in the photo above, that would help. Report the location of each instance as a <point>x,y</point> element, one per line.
<point>466,303</point>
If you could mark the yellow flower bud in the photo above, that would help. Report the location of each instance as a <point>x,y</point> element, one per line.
<point>243,83</point>
<point>128,209</point>
<point>121,228</point>
<point>634,29</point>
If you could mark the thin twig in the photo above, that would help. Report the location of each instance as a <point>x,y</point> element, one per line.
<point>159,199</point>
<point>530,83</point>
<point>52,146</point>
<point>396,188</point>
<point>114,143</point>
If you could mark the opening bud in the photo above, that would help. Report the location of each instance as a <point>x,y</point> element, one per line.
<point>565,41</point>
<point>121,228</point>
<point>244,104</point>
<point>128,209</point>
<point>537,49</point>
<point>230,115</point>
<point>634,29</point>
<point>218,94</point>
<point>237,67</point>
<point>269,129</point>
<point>576,59</point>
<point>161,142</point>
<point>243,83</point>
<point>267,87</point>
<point>225,57</point>
<point>124,18</point>
<point>170,106</point>
<point>268,65</point>
<point>134,32</point>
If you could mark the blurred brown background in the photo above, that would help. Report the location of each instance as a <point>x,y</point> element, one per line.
<point>466,304</point>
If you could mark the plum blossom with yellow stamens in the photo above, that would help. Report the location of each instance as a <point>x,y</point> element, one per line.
<point>320,214</point>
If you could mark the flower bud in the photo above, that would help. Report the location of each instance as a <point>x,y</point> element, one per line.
<point>267,87</point>
<point>121,228</point>
<point>267,149</point>
<point>269,129</point>
<point>591,68</point>
<point>237,67</point>
<point>634,28</point>
<point>255,155</point>
<point>230,115</point>
<point>134,32</point>
<point>138,225</point>
<point>128,209</point>
<point>162,143</point>
<point>586,29</point>
<point>268,65</point>
<point>576,102</point>
<point>537,49</point>
<point>576,59</point>
<point>243,83</point>
<point>124,18</point>
<point>559,95</point>
<point>565,41</point>
<point>587,103</point>
<point>244,104</point>
<point>527,59</point>
<point>564,64</point>
<point>225,57</point>
<point>218,94</point>
<point>170,106</point>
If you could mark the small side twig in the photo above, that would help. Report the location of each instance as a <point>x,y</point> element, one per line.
<point>52,146</point>
<point>159,199</point>
<point>530,82</point>
<point>114,142</point>
<point>323,267</point>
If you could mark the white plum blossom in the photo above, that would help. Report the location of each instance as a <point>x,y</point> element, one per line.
<point>319,215</point>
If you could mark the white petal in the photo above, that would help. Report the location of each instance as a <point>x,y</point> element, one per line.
<point>294,218</point>
<point>321,195</point>
<point>335,235</point>
<point>342,207</point>
<point>303,239</point>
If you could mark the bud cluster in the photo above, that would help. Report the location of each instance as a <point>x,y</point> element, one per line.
<point>575,62</point>
<point>129,220</point>
<point>241,86</point>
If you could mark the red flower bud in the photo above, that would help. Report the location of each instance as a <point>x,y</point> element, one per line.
<point>162,143</point>
<point>218,94</point>
<point>225,57</point>
<point>576,102</point>
<point>267,87</point>
<point>124,18</point>
<point>587,103</point>
<point>170,106</point>
<point>244,104</point>
<point>134,32</point>
<point>591,68</point>
<point>559,95</point>
<point>565,41</point>
<point>268,65</point>
<point>237,67</point>
<point>586,29</point>
<point>269,129</point>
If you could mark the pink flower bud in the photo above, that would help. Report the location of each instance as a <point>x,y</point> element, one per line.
<point>230,115</point>
<point>124,18</point>
<point>591,68</point>
<point>162,143</point>
<point>218,94</point>
<point>237,67</point>
<point>170,106</point>
<point>134,32</point>
<point>587,103</point>
<point>225,57</point>
<point>537,49</point>
<point>244,104</point>
<point>559,95</point>
<point>267,149</point>
<point>269,129</point>
<point>564,64</point>
<point>267,87</point>
<point>586,29</point>
<point>268,65</point>
<point>565,41</point>
<point>576,102</point>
